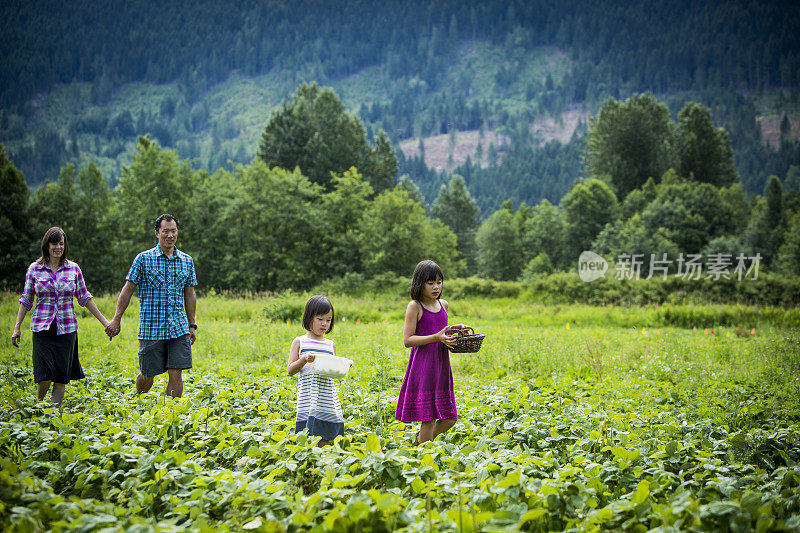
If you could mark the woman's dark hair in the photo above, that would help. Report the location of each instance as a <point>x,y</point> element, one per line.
<point>166,217</point>
<point>315,306</point>
<point>424,272</point>
<point>53,235</point>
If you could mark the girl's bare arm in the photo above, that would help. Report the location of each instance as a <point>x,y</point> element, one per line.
<point>413,314</point>
<point>295,361</point>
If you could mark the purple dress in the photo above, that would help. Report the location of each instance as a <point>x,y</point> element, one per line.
<point>427,390</point>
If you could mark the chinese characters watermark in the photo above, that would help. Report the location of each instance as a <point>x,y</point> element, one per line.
<point>592,266</point>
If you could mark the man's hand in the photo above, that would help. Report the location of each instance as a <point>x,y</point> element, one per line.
<point>113,328</point>
<point>192,335</point>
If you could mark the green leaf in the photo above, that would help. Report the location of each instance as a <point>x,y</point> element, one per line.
<point>533,514</point>
<point>348,481</point>
<point>642,492</point>
<point>373,443</point>
<point>419,486</point>
<point>510,480</point>
<point>358,511</point>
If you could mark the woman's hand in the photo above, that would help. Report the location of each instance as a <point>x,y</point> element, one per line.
<point>16,336</point>
<point>445,339</point>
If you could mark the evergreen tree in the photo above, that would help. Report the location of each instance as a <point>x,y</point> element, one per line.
<point>704,152</point>
<point>15,237</point>
<point>765,234</point>
<point>405,183</point>
<point>54,204</point>
<point>544,233</point>
<point>499,254</point>
<point>315,133</point>
<point>629,142</point>
<point>587,207</point>
<point>789,253</point>
<point>457,209</point>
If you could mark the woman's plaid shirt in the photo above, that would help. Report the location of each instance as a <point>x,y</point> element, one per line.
<point>54,292</point>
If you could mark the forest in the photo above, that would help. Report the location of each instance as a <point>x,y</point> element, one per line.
<point>655,187</point>
<point>80,83</point>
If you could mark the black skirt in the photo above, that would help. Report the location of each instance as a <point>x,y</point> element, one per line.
<point>55,357</point>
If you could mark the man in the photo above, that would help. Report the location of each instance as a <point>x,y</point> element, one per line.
<point>165,279</point>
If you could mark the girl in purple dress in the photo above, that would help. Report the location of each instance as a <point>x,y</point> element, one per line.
<point>427,395</point>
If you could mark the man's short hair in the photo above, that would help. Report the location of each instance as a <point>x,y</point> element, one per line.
<point>167,217</point>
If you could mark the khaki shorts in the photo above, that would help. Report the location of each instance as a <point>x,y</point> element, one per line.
<point>155,357</point>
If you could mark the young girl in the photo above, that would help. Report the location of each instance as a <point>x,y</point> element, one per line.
<point>427,392</point>
<point>318,407</point>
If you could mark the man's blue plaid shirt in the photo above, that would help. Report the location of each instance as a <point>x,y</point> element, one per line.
<point>160,282</point>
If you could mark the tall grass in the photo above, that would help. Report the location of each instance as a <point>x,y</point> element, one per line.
<point>251,335</point>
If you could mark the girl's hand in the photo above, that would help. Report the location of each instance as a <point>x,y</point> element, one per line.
<point>16,336</point>
<point>462,327</point>
<point>447,340</point>
<point>309,358</point>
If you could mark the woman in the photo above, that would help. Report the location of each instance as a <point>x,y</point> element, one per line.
<point>54,280</point>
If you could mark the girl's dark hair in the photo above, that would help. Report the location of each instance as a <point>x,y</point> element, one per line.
<point>424,272</point>
<point>53,235</point>
<point>315,306</point>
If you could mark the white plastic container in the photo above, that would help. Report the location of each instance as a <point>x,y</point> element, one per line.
<point>332,366</point>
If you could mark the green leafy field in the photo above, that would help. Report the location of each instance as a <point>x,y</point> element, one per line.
<point>565,421</point>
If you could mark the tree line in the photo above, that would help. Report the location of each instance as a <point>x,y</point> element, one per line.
<point>283,222</point>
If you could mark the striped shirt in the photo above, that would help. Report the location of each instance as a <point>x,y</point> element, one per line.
<point>54,292</point>
<point>160,282</point>
<point>317,396</point>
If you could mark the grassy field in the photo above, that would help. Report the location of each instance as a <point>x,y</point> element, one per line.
<point>569,417</point>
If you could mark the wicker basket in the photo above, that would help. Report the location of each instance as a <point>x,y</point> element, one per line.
<point>465,342</point>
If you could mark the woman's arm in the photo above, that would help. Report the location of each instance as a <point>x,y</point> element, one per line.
<point>92,307</point>
<point>295,361</point>
<point>25,304</point>
<point>413,312</point>
<point>17,335</point>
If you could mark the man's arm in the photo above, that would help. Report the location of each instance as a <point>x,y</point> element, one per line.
<point>123,301</point>
<point>190,303</point>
